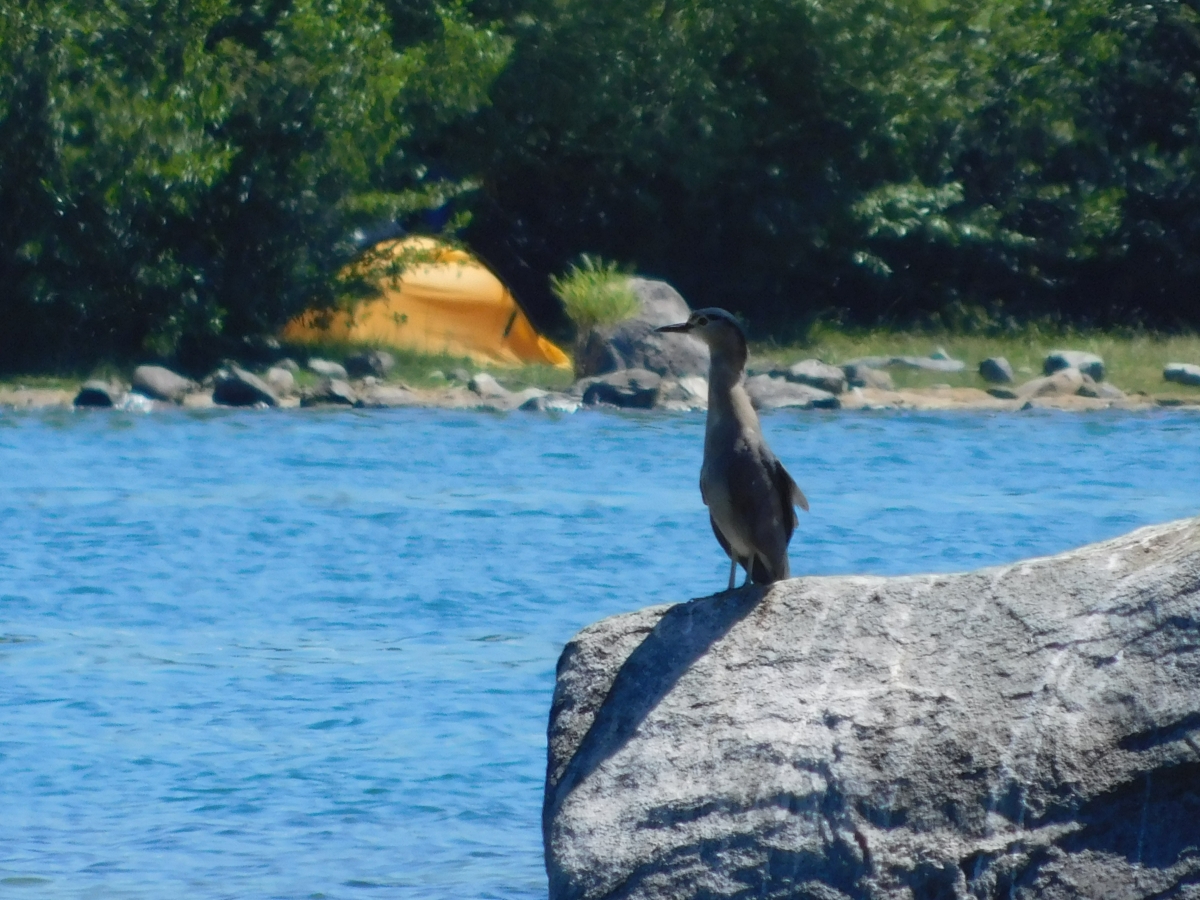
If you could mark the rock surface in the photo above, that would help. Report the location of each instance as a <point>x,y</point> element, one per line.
<point>775,393</point>
<point>159,383</point>
<point>1063,382</point>
<point>939,363</point>
<point>235,386</point>
<point>996,370</point>
<point>1182,373</point>
<point>330,392</point>
<point>816,374</point>
<point>862,375</point>
<point>1023,731</point>
<point>328,368</point>
<point>629,389</point>
<point>1088,363</point>
<point>370,362</point>
<point>633,344</point>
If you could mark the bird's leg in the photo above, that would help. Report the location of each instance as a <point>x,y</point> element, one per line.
<point>732,571</point>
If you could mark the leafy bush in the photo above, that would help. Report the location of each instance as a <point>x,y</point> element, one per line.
<point>594,292</point>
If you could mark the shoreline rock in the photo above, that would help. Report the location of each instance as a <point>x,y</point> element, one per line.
<point>1023,730</point>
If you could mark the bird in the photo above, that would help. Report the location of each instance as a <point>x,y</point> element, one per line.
<point>750,496</point>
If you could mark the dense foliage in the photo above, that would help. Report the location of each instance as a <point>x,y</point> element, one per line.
<point>177,175</point>
<point>955,162</point>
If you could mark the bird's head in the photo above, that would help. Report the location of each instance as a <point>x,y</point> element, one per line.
<point>717,328</point>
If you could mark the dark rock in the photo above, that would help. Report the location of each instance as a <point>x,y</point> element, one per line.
<point>370,362</point>
<point>775,393</point>
<point>1023,731</point>
<point>1003,393</point>
<point>633,344</point>
<point>1087,363</point>
<point>628,388</point>
<point>859,374</point>
<point>99,394</point>
<point>816,374</point>
<point>996,370</point>
<point>328,369</point>
<point>234,386</point>
<point>330,392</point>
<point>159,383</point>
<point>1182,373</point>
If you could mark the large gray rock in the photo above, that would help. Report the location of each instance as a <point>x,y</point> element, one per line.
<point>1182,373</point>
<point>1088,363</point>
<point>1024,731</point>
<point>328,369</point>
<point>234,386</point>
<point>330,392</point>
<point>775,393</point>
<point>939,363</point>
<point>816,374</point>
<point>1063,383</point>
<point>159,383</point>
<point>633,344</point>
<point>629,388</point>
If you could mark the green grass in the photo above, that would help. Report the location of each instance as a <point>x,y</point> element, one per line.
<point>595,292</point>
<point>1133,362</point>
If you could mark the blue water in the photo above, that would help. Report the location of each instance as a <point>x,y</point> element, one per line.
<point>311,654</point>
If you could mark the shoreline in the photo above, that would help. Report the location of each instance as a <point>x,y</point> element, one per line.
<point>399,395</point>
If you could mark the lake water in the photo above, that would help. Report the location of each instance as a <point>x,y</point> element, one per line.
<point>310,654</point>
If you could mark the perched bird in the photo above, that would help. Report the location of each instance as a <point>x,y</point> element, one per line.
<point>749,494</point>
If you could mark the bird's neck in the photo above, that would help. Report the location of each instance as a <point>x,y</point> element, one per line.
<point>729,405</point>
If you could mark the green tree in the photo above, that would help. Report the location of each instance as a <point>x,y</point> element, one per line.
<point>201,164</point>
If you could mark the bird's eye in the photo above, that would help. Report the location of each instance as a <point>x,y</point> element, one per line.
<point>703,320</point>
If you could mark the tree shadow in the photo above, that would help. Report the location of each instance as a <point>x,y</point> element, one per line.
<point>682,635</point>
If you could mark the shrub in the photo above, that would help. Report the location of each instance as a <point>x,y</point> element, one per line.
<point>594,292</point>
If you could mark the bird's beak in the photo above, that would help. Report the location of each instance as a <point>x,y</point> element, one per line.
<point>681,328</point>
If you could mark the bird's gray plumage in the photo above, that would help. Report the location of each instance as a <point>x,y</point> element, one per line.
<point>749,494</point>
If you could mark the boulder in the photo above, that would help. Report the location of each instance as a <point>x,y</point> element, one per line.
<point>234,386</point>
<point>554,403</point>
<point>99,394</point>
<point>816,374</point>
<point>328,369</point>
<point>1064,382</point>
<point>370,362</point>
<point>1088,363</point>
<point>683,394</point>
<point>859,374</point>
<point>281,380</point>
<point>330,392</point>
<point>1099,390</point>
<point>774,393</point>
<point>386,396</point>
<point>159,383</point>
<point>1025,731</point>
<point>288,363</point>
<point>996,370</point>
<point>487,387</point>
<point>633,344</point>
<point>1182,373</point>
<point>628,388</point>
